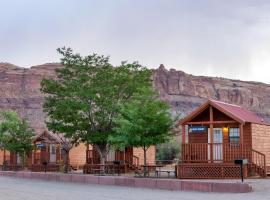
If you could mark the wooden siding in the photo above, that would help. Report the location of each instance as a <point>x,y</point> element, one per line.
<point>77,155</point>
<point>247,140</point>
<point>261,140</point>
<point>151,155</point>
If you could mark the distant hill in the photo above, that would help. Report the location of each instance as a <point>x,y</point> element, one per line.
<point>20,91</point>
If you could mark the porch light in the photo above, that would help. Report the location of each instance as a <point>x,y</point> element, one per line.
<point>225,129</point>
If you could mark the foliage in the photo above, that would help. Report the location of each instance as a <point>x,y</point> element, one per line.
<point>168,151</point>
<point>15,134</point>
<point>87,95</point>
<point>143,122</point>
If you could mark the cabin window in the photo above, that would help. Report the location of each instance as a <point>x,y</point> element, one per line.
<point>234,135</point>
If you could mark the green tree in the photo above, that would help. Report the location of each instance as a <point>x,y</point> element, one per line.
<point>86,97</point>
<point>144,121</point>
<point>15,134</point>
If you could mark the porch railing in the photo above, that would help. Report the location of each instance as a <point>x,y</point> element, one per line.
<point>135,161</point>
<point>217,152</point>
<point>223,153</point>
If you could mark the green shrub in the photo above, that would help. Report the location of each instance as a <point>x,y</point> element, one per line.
<point>168,152</point>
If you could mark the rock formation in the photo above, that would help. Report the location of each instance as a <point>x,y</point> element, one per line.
<point>186,92</point>
<point>20,91</point>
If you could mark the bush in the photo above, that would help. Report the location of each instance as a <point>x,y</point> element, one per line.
<point>168,152</point>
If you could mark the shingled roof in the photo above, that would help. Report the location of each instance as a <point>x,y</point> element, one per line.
<point>236,112</point>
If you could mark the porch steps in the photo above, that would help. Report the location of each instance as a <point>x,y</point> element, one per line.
<point>257,170</point>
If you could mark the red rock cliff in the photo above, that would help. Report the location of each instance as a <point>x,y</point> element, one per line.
<point>185,92</point>
<point>20,91</point>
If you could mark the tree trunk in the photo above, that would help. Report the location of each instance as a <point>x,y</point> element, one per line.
<point>103,162</point>
<point>144,161</point>
<point>23,158</point>
<point>103,151</point>
<point>66,162</point>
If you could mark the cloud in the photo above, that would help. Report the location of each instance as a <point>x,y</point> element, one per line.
<point>203,37</point>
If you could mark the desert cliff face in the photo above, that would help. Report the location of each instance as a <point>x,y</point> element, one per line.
<point>20,91</point>
<point>186,92</point>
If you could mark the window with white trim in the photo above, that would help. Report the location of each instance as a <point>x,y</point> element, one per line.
<point>234,135</point>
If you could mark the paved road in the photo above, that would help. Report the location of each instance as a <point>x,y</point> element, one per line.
<point>24,189</point>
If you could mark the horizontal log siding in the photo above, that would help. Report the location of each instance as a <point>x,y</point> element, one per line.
<point>77,155</point>
<point>261,140</point>
<point>151,155</point>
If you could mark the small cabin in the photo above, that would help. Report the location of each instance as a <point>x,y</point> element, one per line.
<point>46,151</point>
<point>216,134</point>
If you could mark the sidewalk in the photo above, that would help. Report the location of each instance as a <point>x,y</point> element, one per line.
<point>151,183</point>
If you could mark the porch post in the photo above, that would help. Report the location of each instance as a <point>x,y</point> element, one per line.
<point>47,152</point>
<point>87,154</point>
<point>211,133</point>
<point>35,152</point>
<point>241,131</point>
<point>60,152</point>
<point>183,134</point>
<point>4,160</point>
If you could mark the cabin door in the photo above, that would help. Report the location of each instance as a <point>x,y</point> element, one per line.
<point>217,145</point>
<point>52,153</point>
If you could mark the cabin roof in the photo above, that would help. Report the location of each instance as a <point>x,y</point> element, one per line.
<point>236,112</point>
<point>49,135</point>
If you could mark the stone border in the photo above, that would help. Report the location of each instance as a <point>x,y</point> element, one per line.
<point>152,183</point>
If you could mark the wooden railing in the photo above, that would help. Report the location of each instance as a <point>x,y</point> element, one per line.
<point>259,162</point>
<point>206,152</point>
<point>92,157</point>
<point>135,161</point>
<point>49,168</point>
<point>223,153</point>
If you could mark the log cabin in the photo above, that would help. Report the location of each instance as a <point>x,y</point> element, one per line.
<point>215,135</point>
<point>47,148</point>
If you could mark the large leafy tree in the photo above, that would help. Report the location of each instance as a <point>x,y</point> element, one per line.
<point>15,134</point>
<point>143,122</point>
<point>87,95</point>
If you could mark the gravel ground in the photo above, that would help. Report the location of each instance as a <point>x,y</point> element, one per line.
<point>25,189</point>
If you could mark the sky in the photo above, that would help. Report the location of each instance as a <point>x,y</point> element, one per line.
<point>221,38</point>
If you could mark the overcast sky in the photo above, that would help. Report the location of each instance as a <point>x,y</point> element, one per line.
<point>227,38</point>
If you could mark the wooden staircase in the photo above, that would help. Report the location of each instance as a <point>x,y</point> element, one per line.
<point>135,163</point>
<point>257,164</point>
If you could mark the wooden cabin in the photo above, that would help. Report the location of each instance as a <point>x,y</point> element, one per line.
<point>130,158</point>
<point>216,134</point>
<point>47,151</point>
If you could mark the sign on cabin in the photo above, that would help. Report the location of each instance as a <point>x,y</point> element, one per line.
<point>40,145</point>
<point>197,129</point>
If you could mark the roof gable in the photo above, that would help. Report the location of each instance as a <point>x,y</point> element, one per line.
<point>236,112</point>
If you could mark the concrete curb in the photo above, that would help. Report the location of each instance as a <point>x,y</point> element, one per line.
<point>152,183</point>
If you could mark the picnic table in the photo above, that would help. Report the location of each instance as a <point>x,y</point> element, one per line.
<point>149,169</point>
